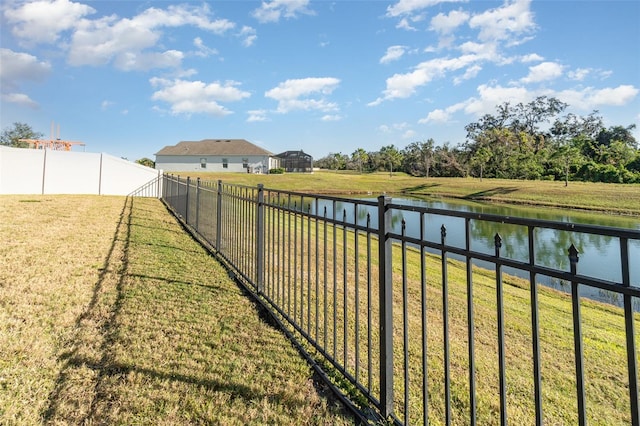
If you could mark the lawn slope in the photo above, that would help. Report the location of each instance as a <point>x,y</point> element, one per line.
<point>111,314</point>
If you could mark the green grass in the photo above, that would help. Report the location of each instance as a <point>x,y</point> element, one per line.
<point>111,314</point>
<point>603,332</point>
<point>614,198</point>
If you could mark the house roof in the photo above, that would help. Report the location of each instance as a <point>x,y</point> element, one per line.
<point>294,154</point>
<point>214,147</point>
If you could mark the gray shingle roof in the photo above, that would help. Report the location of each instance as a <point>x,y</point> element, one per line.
<point>214,147</point>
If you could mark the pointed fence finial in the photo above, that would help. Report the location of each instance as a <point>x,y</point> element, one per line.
<point>497,240</point>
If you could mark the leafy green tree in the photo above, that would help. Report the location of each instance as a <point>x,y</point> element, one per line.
<point>11,136</point>
<point>146,162</point>
<point>480,158</point>
<point>515,138</point>
<point>392,157</point>
<point>340,161</point>
<point>567,154</point>
<point>359,157</point>
<point>448,161</point>
<point>575,144</point>
<point>418,158</point>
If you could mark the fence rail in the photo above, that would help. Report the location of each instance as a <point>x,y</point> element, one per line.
<point>422,329</point>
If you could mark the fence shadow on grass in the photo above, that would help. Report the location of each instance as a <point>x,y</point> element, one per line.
<point>166,330</point>
<point>500,190</point>
<point>87,360</point>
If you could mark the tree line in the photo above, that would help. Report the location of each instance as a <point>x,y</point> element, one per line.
<point>524,141</point>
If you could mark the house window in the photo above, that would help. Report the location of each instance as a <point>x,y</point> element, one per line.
<point>203,163</point>
<point>225,163</point>
<point>245,163</point>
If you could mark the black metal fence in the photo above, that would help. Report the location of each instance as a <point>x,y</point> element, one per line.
<point>423,329</point>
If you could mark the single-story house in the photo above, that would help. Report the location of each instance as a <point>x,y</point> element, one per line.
<point>296,161</point>
<point>216,155</point>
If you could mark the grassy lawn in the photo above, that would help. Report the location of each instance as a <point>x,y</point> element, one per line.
<point>605,362</point>
<point>615,198</point>
<point>111,314</point>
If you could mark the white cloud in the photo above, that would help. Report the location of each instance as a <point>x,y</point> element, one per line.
<point>393,54</point>
<point>196,97</point>
<point>507,25</point>
<point>257,115</point>
<point>405,85</point>
<point>486,51</point>
<point>469,73</point>
<point>442,115</point>
<point>445,24</point>
<point>20,99</point>
<point>404,24</point>
<point>203,50</point>
<point>272,11</point>
<point>144,61</point>
<point>106,104</point>
<point>17,66</point>
<point>489,97</point>
<point>579,74</point>
<point>395,127</point>
<point>248,36</point>
<point>409,134</point>
<point>332,117</point>
<point>409,7</point>
<point>503,23</point>
<point>126,41</point>
<point>182,15</point>
<point>590,98</point>
<point>436,116</point>
<point>532,57</point>
<point>43,21</point>
<point>543,72</point>
<point>294,94</point>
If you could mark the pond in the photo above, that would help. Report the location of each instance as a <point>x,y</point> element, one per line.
<point>599,256</point>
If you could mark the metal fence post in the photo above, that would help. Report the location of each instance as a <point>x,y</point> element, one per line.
<point>386,306</point>
<point>219,216</point>
<point>577,337</point>
<point>186,207</point>
<point>197,203</point>
<point>632,363</point>
<point>260,240</point>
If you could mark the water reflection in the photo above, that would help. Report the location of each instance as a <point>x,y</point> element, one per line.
<point>599,256</point>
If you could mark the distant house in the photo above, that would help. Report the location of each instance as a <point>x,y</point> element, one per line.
<point>296,161</point>
<point>216,155</point>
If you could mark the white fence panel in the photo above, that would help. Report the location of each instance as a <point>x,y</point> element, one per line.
<point>21,171</point>
<point>122,177</point>
<point>35,171</point>
<point>71,173</point>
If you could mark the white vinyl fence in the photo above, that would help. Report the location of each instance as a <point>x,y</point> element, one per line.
<point>39,171</point>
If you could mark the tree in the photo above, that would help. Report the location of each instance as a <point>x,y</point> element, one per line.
<point>11,136</point>
<point>448,161</point>
<point>146,162</point>
<point>418,158</point>
<point>392,157</point>
<point>567,154</point>
<point>359,157</point>
<point>480,158</point>
<point>340,161</point>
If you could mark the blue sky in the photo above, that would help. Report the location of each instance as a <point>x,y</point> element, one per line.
<point>130,77</point>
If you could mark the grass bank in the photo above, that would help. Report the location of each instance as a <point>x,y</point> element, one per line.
<point>613,198</point>
<point>111,314</point>
<point>327,310</point>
